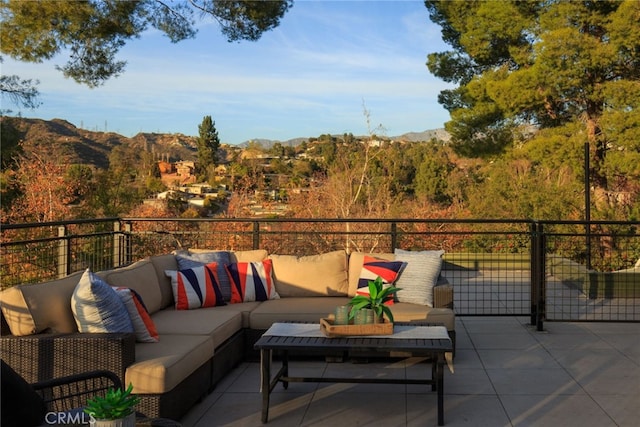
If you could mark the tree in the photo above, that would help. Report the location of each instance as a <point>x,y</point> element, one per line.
<point>94,31</point>
<point>431,175</point>
<point>526,66</point>
<point>208,145</point>
<point>43,193</point>
<point>21,92</point>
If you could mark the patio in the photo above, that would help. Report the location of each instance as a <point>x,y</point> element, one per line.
<point>506,374</point>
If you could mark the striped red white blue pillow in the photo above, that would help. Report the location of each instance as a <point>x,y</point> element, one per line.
<point>143,325</point>
<point>373,267</point>
<point>252,281</point>
<point>196,287</point>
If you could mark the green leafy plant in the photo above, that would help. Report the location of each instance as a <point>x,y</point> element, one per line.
<point>378,296</point>
<point>114,405</point>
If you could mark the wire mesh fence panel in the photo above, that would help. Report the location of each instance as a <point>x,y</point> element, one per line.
<point>555,270</point>
<point>594,276</point>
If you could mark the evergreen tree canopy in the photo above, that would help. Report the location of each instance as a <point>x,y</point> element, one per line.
<point>93,31</point>
<point>208,144</point>
<point>521,66</point>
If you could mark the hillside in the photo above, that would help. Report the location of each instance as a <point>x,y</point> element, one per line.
<point>91,147</point>
<point>427,135</point>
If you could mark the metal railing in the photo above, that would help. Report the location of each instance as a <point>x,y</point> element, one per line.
<point>548,270</point>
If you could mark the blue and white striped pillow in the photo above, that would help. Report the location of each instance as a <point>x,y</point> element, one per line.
<point>97,307</point>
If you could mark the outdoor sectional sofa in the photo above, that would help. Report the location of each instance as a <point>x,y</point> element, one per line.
<point>196,347</point>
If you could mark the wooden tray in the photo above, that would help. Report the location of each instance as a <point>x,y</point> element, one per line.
<point>330,330</point>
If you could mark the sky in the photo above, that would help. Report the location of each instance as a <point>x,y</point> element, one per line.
<point>330,67</point>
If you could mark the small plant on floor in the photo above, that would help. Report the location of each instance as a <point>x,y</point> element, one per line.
<point>378,296</point>
<point>116,404</point>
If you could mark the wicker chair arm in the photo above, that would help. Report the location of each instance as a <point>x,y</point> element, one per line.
<point>45,356</point>
<point>443,296</point>
<point>72,392</point>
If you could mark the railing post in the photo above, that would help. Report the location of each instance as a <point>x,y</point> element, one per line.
<point>121,244</point>
<point>542,275</point>
<point>126,243</point>
<point>117,255</point>
<point>64,255</point>
<point>538,292</point>
<point>533,273</point>
<point>394,236</point>
<point>256,235</point>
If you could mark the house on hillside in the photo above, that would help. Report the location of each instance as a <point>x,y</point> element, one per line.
<point>185,168</point>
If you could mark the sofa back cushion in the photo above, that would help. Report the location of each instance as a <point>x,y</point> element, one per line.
<point>34,308</point>
<point>163,263</point>
<point>314,275</point>
<point>141,277</point>
<point>254,255</point>
<point>356,261</point>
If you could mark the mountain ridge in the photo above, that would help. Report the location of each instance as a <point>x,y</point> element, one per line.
<point>94,147</point>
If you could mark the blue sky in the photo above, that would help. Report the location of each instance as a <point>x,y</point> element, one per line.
<point>314,74</point>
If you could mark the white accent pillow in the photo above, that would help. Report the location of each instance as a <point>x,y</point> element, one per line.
<point>97,308</point>
<point>419,277</point>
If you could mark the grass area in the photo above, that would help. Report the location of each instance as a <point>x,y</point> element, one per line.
<point>595,284</point>
<point>480,261</point>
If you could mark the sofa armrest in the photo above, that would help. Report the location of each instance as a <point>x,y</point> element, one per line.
<point>443,296</point>
<point>44,356</point>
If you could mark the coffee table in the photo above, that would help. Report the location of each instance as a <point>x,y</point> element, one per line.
<point>420,340</point>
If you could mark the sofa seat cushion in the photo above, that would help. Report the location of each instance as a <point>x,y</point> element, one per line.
<point>34,308</point>
<point>406,312</point>
<point>161,366</point>
<point>244,308</point>
<point>308,276</point>
<point>141,277</point>
<point>220,325</point>
<point>294,309</point>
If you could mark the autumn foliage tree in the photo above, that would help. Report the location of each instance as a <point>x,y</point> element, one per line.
<point>43,193</point>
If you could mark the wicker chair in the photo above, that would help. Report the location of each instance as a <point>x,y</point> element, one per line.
<point>55,401</point>
<point>72,392</point>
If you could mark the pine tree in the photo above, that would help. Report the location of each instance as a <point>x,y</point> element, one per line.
<point>208,145</point>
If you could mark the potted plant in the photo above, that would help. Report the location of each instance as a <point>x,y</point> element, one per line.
<point>115,409</point>
<point>378,296</point>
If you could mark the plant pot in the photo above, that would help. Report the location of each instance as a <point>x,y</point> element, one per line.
<point>364,316</point>
<point>128,421</point>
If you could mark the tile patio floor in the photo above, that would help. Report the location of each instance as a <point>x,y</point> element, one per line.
<point>506,374</point>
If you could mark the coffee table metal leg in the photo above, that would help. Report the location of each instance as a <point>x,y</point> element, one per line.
<point>285,368</point>
<point>265,382</point>
<point>440,380</point>
<point>434,372</point>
